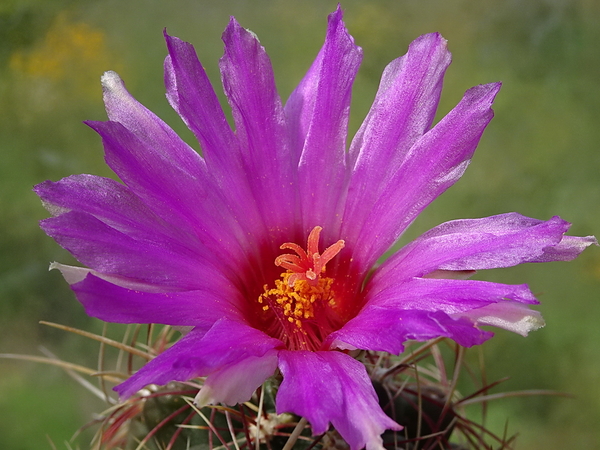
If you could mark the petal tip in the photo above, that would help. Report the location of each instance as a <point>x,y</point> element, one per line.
<point>235,34</point>
<point>71,274</point>
<point>111,80</point>
<point>205,396</point>
<point>337,15</point>
<point>435,38</point>
<point>233,26</point>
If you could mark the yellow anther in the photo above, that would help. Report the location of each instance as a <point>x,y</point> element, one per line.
<point>297,301</point>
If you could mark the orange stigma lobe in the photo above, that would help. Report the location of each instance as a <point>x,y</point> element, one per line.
<point>310,264</point>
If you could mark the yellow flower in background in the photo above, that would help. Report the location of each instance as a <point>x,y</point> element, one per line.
<point>70,55</point>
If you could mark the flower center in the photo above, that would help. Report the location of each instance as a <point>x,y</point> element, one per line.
<point>300,309</point>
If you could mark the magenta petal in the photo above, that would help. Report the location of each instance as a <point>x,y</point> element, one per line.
<point>107,250</point>
<point>167,366</point>
<point>114,205</point>
<point>331,387</point>
<point>422,309</point>
<point>121,107</point>
<point>113,303</point>
<point>152,173</point>
<point>449,296</point>
<point>177,193</point>
<point>167,173</point>
<point>402,112</point>
<point>434,163</point>
<point>109,228</point>
<point>201,353</point>
<point>473,244</point>
<point>261,130</point>
<point>403,109</point>
<point>236,382</point>
<point>230,341</point>
<point>190,93</point>
<point>318,112</point>
<point>385,329</point>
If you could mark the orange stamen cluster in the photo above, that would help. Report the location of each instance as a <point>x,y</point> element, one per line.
<point>302,298</point>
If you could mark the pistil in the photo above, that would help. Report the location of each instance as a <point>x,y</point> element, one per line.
<point>308,265</point>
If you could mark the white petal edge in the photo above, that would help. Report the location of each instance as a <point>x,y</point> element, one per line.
<point>510,316</point>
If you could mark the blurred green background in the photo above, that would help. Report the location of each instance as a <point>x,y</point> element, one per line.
<point>539,157</point>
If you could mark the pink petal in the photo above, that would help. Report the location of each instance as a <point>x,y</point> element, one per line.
<point>433,164</point>
<point>331,387</point>
<point>386,329</point>
<point>190,93</point>
<point>317,112</point>
<point>236,382</point>
<point>403,109</point>
<point>447,295</point>
<point>107,250</point>
<point>117,207</point>
<point>113,303</point>
<point>182,196</point>
<point>261,129</point>
<point>422,309</point>
<point>167,366</point>
<point>201,353</point>
<point>474,244</point>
